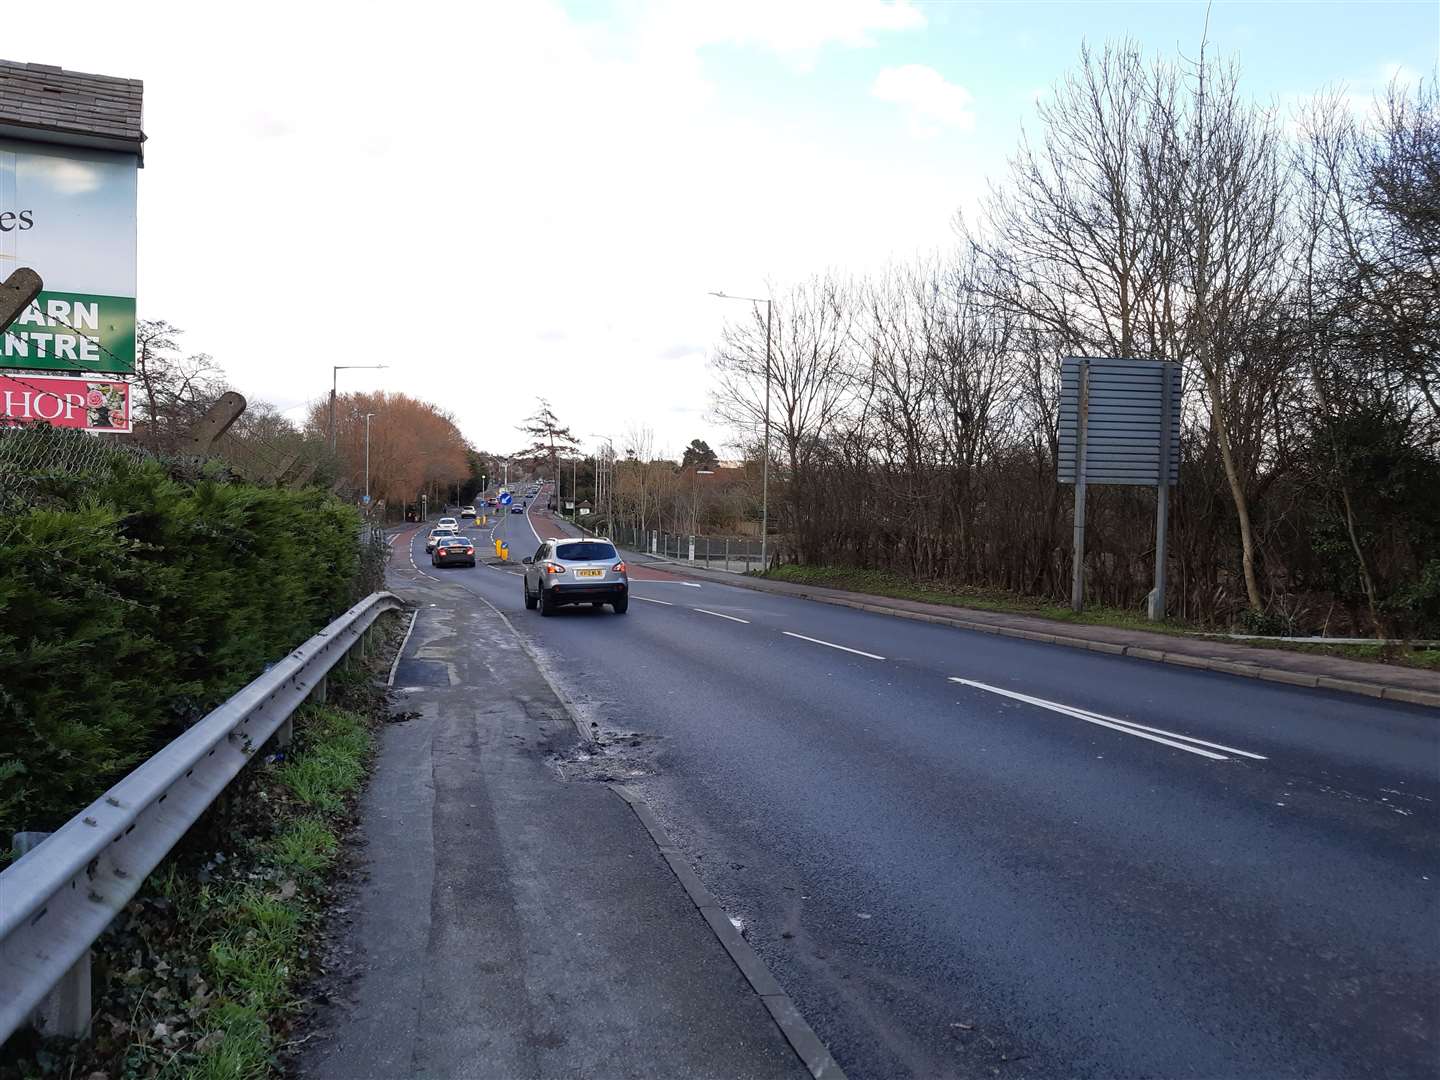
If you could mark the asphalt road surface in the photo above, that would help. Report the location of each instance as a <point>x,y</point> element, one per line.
<point>969,855</point>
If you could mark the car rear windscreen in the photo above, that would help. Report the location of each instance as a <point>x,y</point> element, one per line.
<point>585,551</point>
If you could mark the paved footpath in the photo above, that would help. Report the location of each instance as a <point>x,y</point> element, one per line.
<point>512,924</point>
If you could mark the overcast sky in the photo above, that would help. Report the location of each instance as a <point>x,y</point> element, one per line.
<point>505,200</point>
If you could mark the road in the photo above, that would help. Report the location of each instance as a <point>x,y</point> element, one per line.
<point>970,855</point>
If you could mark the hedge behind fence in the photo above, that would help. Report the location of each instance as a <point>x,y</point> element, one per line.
<point>133,599</point>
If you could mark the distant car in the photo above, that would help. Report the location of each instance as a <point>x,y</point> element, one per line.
<point>447,521</point>
<point>468,511</point>
<point>453,550</point>
<point>518,508</point>
<point>577,571</point>
<point>437,534</point>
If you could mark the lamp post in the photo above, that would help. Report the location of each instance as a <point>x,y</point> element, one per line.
<point>368,415</point>
<point>334,381</point>
<point>765,463</point>
<point>695,498</point>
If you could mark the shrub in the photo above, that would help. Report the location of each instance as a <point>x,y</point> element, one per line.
<point>134,597</point>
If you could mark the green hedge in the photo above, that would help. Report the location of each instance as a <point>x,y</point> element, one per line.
<point>133,599</point>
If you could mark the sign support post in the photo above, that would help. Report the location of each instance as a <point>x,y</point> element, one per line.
<point>1162,499</point>
<point>1077,574</point>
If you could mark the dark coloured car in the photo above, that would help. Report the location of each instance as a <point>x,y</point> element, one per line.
<point>517,509</point>
<point>453,551</point>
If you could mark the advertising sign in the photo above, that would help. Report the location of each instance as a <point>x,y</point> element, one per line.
<point>69,214</point>
<point>88,404</point>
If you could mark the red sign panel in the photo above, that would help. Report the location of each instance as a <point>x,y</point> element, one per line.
<point>88,404</point>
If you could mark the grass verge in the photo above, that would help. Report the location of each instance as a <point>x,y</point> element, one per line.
<point>888,583</point>
<point>202,975</point>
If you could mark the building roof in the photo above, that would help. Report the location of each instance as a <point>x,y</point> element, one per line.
<point>44,103</point>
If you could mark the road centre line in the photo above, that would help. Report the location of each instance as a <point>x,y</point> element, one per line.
<point>832,645</point>
<point>720,615</point>
<point>1140,731</point>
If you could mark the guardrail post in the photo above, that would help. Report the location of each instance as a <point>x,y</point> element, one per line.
<point>66,1009</point>
<point>321,691</point>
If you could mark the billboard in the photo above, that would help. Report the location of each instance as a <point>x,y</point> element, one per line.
<point>69,214</point>
<point>98,405</point>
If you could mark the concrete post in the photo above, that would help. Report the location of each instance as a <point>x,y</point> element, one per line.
<point>692,549</point>
<point>66,1009</point>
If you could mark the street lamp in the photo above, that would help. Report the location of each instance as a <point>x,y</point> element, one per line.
<point>334,381</point>
<point>695,498</point>
<point>765,464</point>
<point>368,415</point>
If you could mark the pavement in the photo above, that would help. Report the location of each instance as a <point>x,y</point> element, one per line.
<point>511,923</point>
<point>963,853</point>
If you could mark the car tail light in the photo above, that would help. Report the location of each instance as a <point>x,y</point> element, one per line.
<point>619,568</point>
<point>554,568</point>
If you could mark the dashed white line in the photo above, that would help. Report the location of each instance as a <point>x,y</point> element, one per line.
<point>1129,727</point>
<point>720,615</point>
<point>832,645</point>
<point>663,603</point>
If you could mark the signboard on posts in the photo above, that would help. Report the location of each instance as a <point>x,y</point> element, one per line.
<point>1119,424</point>
<point>71,145</point>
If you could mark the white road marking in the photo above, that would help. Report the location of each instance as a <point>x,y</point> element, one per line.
<point>647,600</point>
<point>1129,727</point>
<point>832,645</point>
<point>720,615</point>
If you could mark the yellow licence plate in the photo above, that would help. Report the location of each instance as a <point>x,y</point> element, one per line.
<point>589,573</point>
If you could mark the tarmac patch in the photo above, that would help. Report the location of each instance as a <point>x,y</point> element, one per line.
<point>610,757</point>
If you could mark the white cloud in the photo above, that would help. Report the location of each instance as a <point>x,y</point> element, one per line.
<point>795,29</point>
<point>931,103</point>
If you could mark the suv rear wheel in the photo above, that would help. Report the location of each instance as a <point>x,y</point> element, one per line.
<point>622,605</point>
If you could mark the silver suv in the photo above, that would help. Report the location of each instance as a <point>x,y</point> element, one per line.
<point>578,571</point>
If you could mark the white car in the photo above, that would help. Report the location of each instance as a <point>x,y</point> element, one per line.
<point>448,523</point>
<point>468,511</point>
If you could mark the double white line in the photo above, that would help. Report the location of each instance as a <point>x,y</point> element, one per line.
<point>1129,727</point>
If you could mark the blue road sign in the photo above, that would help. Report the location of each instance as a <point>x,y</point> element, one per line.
<point>506,498</point>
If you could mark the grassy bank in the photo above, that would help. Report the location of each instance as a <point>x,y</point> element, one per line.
<point>888,583</point>
<point>201,976</point>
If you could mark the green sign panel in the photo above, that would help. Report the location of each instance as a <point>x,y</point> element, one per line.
<point>72,332</point>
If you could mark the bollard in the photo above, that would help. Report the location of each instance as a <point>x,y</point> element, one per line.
<point>65,1010</point>
<point>727,553</point>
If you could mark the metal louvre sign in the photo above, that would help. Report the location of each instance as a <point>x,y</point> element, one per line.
<point>1114,413</point>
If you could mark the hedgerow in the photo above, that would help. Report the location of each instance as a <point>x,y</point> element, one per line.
<point>135,595</point>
